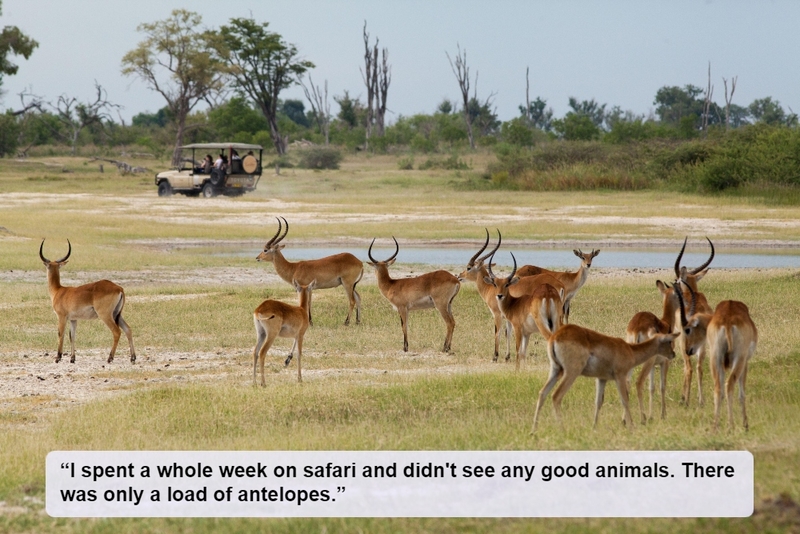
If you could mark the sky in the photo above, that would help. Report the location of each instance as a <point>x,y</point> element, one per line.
<point>616,52</point>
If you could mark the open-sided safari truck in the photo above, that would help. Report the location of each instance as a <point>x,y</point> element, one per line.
<point>239,175</point>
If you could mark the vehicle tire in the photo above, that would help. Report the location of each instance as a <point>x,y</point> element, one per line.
<point>208,190</point>
<point>164,189</point>
<point>217,177</point>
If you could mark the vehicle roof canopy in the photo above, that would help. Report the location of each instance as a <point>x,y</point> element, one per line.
<point>213,146</point>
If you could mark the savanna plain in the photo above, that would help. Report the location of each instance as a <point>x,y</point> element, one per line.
<point>191,280</point>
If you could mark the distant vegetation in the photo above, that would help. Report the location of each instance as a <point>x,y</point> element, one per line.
<point>687,143</point>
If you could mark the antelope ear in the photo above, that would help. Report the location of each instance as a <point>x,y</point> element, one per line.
<point>595,253</point>
<point>513,281</point>
<point>488,280</point>
<point>577,252</point>
<point>662,287</point>
<point>391,262</point>
<point>699,276</point>
<point>561,294</point>
<point>63,262</point>
<point>313,284</point>
<point>278,247</point>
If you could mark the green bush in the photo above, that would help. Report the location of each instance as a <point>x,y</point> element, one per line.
<point>452,163</point>
<point>406,163</point>
<point>323,157</point>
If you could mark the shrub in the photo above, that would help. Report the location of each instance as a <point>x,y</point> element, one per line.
<point>406,163</point>
<point>323,157</point>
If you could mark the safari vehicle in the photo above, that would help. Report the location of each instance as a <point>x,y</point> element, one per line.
<point>240,175</point>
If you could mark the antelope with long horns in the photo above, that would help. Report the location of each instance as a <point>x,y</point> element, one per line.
<point>331,271</point>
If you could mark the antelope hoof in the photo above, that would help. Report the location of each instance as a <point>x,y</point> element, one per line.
<point>72,359</point>
<point>288,360</point>
<point>133,358</point>
<point>58,358</point>
<point>495,358</point>
<point>110,358</point>
<point>347,321</point>
<point>508,357</point>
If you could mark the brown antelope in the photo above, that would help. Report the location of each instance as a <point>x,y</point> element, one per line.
<point>572,281</point>
<point>690,279</point>
<point>576,351</point>
<point>103,299</point>
<point>542,309</point>
<point>274,318</point>
<point>476,272</point>
<point>643,326</point>
<point>436,289</point>
<point>732,337</point>
<point>331,271</point>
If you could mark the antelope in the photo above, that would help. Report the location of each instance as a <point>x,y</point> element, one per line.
<point>572,281</point>
<point>102,299</point>
<point>274,318</point>
<point>643,326</point>
<point>576,351</point>
<point>542,308</point>
<point>476,272</point>
<point>331,271</point>
<point>732,336</point>
<point>436,289</point>
<point>690,279</point>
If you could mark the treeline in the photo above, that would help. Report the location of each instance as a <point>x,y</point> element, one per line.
<point>688,140</point>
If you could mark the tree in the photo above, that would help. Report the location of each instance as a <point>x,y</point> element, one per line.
<point>75,116</point>
<point>576,127</point>
<point>236,120</point>
<point>262,65</point>
<point>175,47</point>
<point>13,42</point>
<point>350,109</point>
<point>538,114</point>
<point>675,103</point>
<point>770,111</point>
<point>377,78</point>
<point>295,110</point>
<point>320,107</point>
<point>461,72</point>
<point>589,108</point>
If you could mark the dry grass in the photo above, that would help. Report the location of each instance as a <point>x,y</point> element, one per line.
<point>190,312</point>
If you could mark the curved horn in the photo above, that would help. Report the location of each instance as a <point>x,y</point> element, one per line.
<point>499,240</point>
<point>708,261</point>
<point>678,259</point>
<point>693,307</point>
<point>486,244</point>
<point>489,266</point>
<point>373,260</point>
<point>69,251</point>
<point>271,241</point>
<point>396,251</point>
<point>286,231</point>
<point>511,276</point>
<point>42,255</point>
<point>679,294</point>
<point>369,252</point>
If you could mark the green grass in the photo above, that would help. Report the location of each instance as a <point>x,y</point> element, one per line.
<point>360,391</point>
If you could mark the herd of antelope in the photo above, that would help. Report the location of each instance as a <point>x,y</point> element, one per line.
<point>528,300</point>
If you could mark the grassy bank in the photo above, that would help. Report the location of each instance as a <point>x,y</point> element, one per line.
<point>191,387</point>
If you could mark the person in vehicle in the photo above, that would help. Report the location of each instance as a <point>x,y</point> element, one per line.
<point>207,164</point>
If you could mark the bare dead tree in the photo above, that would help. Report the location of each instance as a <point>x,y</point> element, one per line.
<point>75,115</point>
<point>707,101</point>
<point>384,79</point>
<point>370,74</point>
<point>527,96</point>
<point>729,99</point>
<point>320,106</point>
<point>461,72</point>
<point>30,105</point>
